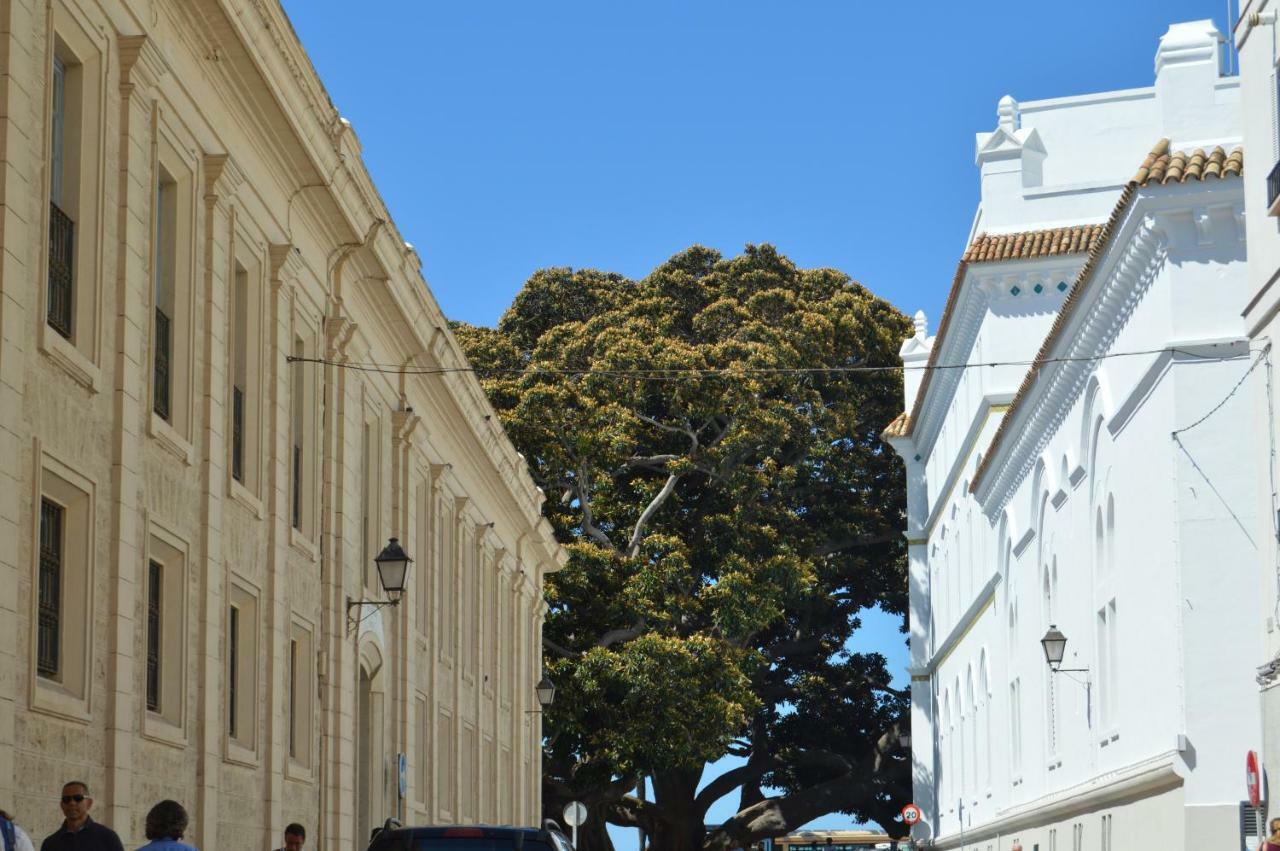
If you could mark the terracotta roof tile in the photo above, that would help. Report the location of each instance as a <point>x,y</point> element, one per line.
<point>1032,244</point>
<point>1163,166</point>
<point>1160,168</point>
<point>900,426</point>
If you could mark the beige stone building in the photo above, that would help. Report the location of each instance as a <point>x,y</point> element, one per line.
<point>184,512</point>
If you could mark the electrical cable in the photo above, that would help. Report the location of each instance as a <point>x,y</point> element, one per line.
<point>1261,354</point>
<point>676,374</point>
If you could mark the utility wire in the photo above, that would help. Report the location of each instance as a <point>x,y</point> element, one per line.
<point>674,374</point>
<point>1225,399</point>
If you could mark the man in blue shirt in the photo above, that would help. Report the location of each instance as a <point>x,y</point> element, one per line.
<point>78,831</point>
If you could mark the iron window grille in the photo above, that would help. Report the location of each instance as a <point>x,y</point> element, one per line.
<point>62,245</point>
<point>163,351</point>
<point>233,664</point>
<point>49,616</point>
<point>1273,186</point>
<point>237,434</point>
<point>154,589</point>
<point>297,486</point>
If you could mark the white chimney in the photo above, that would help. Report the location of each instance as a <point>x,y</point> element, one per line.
<point>1189,64</point>
<point>915,355</point>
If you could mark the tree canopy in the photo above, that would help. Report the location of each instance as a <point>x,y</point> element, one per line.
<point>729,510</point>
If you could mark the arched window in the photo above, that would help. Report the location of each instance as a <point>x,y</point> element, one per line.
<point>971,772</point>
<point>1111,532</point>
<point>1051,692</point>
<point>984,692</point>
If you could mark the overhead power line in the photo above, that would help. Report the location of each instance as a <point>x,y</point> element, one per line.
<point>677,374</point>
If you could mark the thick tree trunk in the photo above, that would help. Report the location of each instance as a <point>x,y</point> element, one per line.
<point>681,827</point>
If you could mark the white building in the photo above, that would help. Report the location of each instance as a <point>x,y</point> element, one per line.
<point>1257,41</point>
<point>1109,491</point>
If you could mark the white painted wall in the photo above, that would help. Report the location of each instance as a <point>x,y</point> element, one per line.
<point>1180,561</point>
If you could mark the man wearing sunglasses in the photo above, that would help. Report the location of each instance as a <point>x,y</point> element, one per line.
<point>78,831</point>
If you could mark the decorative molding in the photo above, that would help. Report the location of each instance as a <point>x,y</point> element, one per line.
<point>220,167</point>
<point>1113,293</point>
<point>986,284</point>
<point>283,262</point>
<point>139,53</point>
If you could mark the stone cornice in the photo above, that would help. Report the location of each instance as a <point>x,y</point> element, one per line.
<point>1114,291</point>
<point>269,50</point>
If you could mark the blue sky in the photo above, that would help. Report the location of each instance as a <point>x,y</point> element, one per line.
<point>510,136</point>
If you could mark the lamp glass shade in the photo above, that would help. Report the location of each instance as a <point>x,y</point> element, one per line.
<point>393,568</point>
<point>1055,646</point>
<point>546,691</point>
<point>904,740</point>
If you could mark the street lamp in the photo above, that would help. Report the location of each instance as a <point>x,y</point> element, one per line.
<point>546,691</point>
<point>1055,649</point>
<point>393,573</point>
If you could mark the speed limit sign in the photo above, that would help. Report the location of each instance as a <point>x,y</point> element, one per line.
<point>911,814</point>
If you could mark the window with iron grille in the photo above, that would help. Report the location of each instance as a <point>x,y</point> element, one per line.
<point>297,487</point>
<point>61,227</point>
<point>233,669</point>
<point>49,619</point>
<point>293,698</point>
<point>237,434</point>
<point>62,240</point>
<point>155,588</point>
<point>162,394</point>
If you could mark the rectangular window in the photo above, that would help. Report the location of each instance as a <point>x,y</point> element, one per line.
<point>233,671</point>
<point>297,400</point>
<point>155,591</point>
<point>420,761</point>
<point>62,233</point>
<point>293,699</point>
<point>49,625</point>
<point>425,564</point>
<point>165,259</point>
<point>242,674</point>
<point>301,692</point>
<point>296,457</point>
<point>470,576</point>
<point>446,780</point>
<point>62,589</point>
<point>366,509</point>
<point>1015,727</point>
<point>239,370</point>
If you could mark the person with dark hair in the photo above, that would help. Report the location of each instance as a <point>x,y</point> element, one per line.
<point>12,838</point>
<point>166,823</point>
<point>295,836</point>
<point>78,831</point>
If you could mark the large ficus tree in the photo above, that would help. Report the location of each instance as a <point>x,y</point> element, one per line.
<point>729,510</point>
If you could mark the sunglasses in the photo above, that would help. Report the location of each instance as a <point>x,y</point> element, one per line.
<point>66,799</point>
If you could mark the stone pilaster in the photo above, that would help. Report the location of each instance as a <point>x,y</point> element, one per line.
<point>141,68</point>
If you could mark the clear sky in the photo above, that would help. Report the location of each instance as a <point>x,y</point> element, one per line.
<point>509,136</point>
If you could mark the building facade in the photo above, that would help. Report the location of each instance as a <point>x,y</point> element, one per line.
<point>1257,43</point>
<point>1086,472</point>
<point>195,479</point>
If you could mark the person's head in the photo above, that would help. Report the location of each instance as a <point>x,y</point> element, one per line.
<point>167,820</point>
<point>1274,824</point>
<point>295,836</point>
<point>76,802</point>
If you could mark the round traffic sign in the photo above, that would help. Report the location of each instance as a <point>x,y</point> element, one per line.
<point>911,814</point>
<point>575,813</point>
<point>1253,778</point>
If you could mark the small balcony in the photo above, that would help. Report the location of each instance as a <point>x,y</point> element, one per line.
<point>62,253</point>
<point>1273,191</point>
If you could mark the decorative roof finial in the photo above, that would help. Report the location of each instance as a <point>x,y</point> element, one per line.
<point>1008,112</point>
<point>922,325</point>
